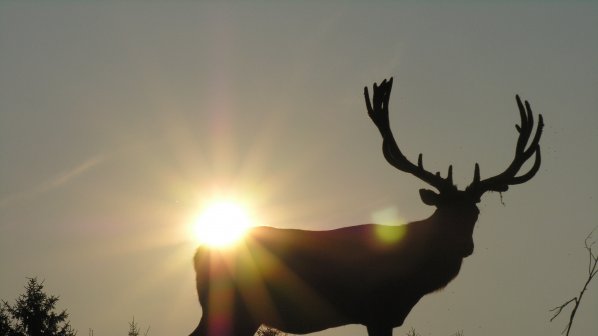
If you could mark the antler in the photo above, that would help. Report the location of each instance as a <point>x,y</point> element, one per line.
<point>378,112</point>
<point>502,181</point>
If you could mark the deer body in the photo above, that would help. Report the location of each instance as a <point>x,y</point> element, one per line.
<point>302,281</point>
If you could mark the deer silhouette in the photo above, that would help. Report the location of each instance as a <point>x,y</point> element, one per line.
<point>303,281</point>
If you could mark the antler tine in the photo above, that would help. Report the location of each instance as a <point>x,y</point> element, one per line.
<point>476,174</point>
<point>378,112</point>
<point>526,127</point>
<point>527,176</point>
<point>523,152</point>
<point>449,176</point>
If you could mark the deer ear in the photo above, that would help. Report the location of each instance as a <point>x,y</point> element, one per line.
<point>429,197</point>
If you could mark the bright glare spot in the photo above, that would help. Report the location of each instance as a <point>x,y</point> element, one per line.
<point>222,223</point>
<point>387,216</point>
<point>391,229</point>
<point>389,234</point>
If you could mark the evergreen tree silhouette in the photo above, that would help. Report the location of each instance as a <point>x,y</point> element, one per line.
<point>33,314</point>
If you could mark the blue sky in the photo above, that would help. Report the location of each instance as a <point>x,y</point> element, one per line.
<point>117,120</point>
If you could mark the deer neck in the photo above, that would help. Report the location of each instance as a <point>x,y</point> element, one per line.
<point>453,228</point>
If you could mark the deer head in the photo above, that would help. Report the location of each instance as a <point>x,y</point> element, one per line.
<point>457,210</point>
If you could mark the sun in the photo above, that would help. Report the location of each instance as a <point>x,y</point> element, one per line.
<point>221,223</point>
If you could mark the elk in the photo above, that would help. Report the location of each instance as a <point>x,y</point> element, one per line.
<point>301,281</point>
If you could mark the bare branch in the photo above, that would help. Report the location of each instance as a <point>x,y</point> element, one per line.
<point>559,308</point>
<point>592,271</point>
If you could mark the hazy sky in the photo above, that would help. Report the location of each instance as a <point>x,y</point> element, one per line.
<point>118,120</point>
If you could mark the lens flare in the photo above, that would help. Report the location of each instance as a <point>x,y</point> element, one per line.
<point>222,223</point>
<point>391,230</point>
